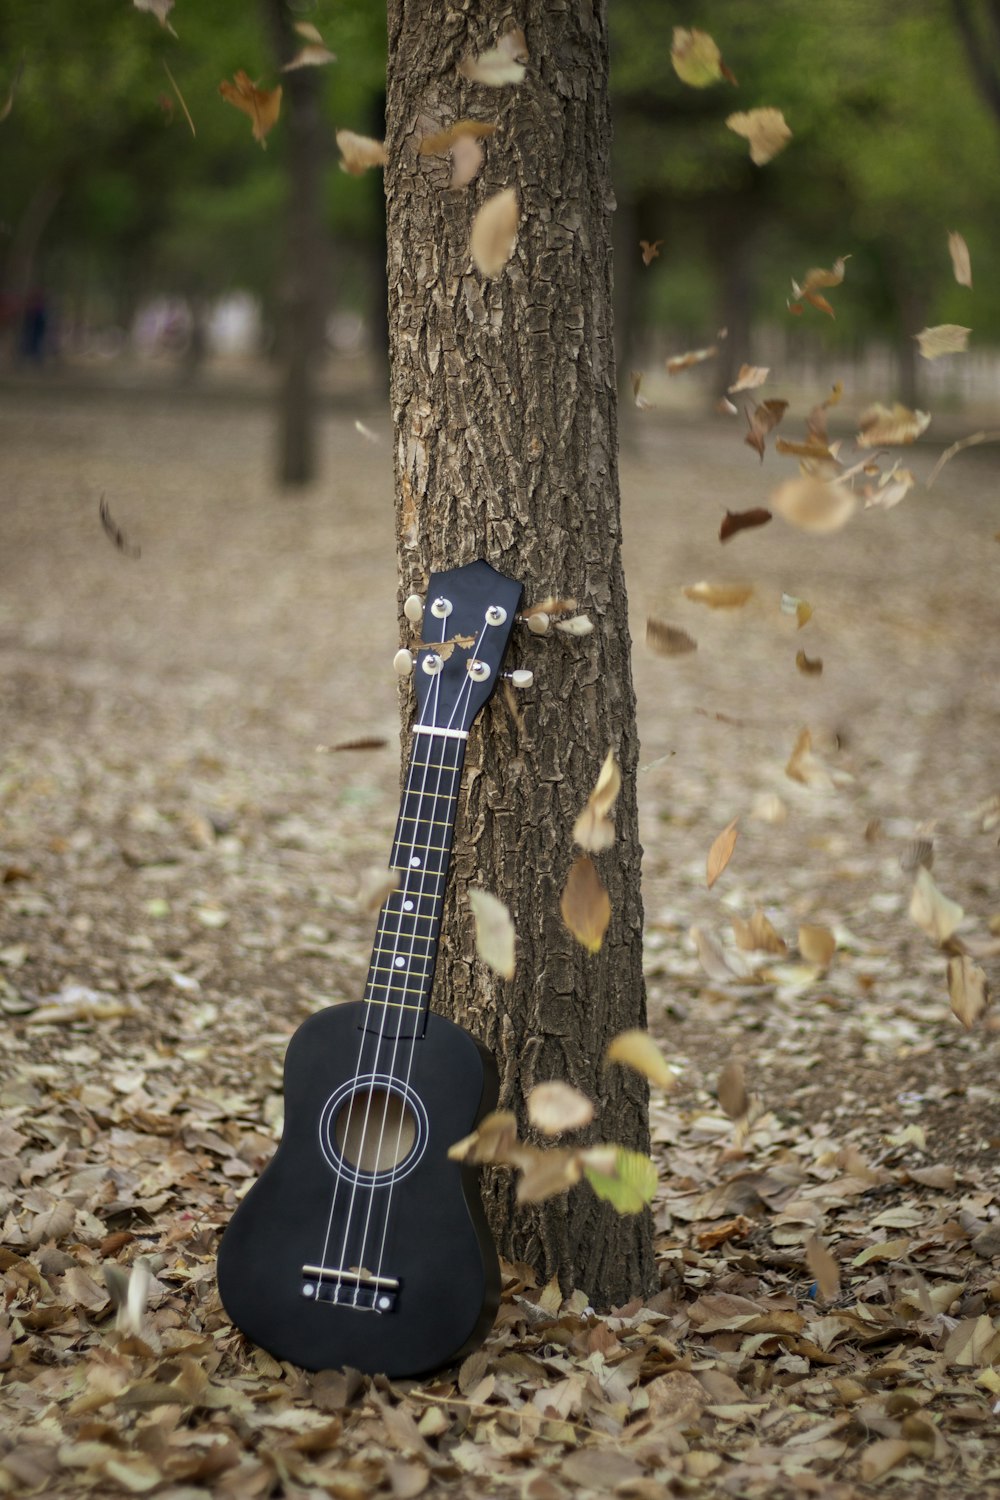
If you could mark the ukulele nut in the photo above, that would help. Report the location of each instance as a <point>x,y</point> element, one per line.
<point>441,608</point>
<point>432,663</point>
<point>479,670</point>
<point>496,615</point>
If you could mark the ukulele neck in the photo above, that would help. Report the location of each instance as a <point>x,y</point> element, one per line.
<point>401,972</point>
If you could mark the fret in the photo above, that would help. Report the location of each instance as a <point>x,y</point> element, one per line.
<point>399,989</point>
<point>411,937</point>
<point>403,970</point>
<point>433,765</point>
<point>399,1004</point>
<point>437,822</point>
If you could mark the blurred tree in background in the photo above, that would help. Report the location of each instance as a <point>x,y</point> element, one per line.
<point>107,199</point>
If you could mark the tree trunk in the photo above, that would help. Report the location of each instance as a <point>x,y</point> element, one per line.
<point>302,303</point>
<point>504,401</point>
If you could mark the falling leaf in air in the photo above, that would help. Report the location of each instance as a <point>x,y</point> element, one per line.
<point>494,932</point>
<point>158,8</point>
<point>585,904</point>
<point>809,666</point>
<point>816,944</point>
<point>359,152</point>
<point>114,532</point>
<point>261,105</point>
<point>576,625</point>
<point>637,1050</point>
<point>749,377</point>
<point>761,419</point>
<point>493,1141</point>
<point>721,852</point>
<point>697,60</point>
<point>758,934</point>
<point>462,133</point>
<point>713,957</point>
<point>626,1179</point>
<point>180,98</point>
<point>945,338</point>
<point>731,1090</point>
<point>543,1174</point>
<point>967,988</point>
<point>640,400</point>
<point>932,911</point>
<point>366,432</point>
<point>556,1107</point>
<point>678,362</point>
<point>961,262</point>
<point>494,230</point>
<point>815,505</point>
<point>8,103</point>
<point>314,54</point>
<point>802,610</point>
<point>891,487</point>
<point>719,595</point>
<point>593,830</point>
<point>650,251</point>
<point>825,1268</point>
<point>501,64</point>
<point>766,131</point>
<point>883,426</point>
<point>742,520</point>
<point>805,766</point>
<point>668,640</point>
<point>129,1291</point>
<point>376,886</point>
<point>810,290</point>
<point>363,742</point>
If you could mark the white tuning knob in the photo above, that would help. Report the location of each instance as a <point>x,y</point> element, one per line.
<point>538,623</point>
<point>521,678</point>
<point>413,609</point>
<point>402,662</point>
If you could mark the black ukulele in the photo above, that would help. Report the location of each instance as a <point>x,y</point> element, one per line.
<point>362,1244</point>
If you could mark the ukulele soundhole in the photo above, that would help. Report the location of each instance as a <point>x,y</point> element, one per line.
<point>373,1130</point>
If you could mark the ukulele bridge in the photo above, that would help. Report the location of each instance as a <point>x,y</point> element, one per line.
<point>350,1288</point>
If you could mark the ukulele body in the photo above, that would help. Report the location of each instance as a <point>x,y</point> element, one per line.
<point>385,1264</point>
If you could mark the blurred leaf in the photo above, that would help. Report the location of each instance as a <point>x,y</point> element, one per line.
<point>809,666</point>
<point>809,292</point>
<point>593,830</point>
<point>556,1107</point>
<point>678,362</point>
<point>968,989</point>
<point>732,1090</point>
<point>761,419</point>
<point>742,520</point>
<point>494,932</point>
<point>816,944</point>
<point>932,911</point>
<point>544,1174</point>
<point>945,338</point>
<point>749,377</point>
<point>814,505</point>
<point>585,904</point>
<point>668,640</point>
<point>766,131</point>
<point>625,1179</point>
<point>883,426</point>
<point>501,64</point>
<point>650,250</point>
<point>359,152</point>
<point>719,595</point>
<point>825,1268</point>
<point>721,852</point>
<point>697,60</point>
<point>640,400</point>
<point>637,1050</point>
<point>493,1141</point>
<point>494,230</point>
<point>443,140</point>
<point>262,106</point>
<point>158,8</point>
<point>961,262</point>
<point>758,934</point>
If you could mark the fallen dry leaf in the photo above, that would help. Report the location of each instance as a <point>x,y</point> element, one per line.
<point>961,262</point>
<point>494,230</point>
<point>945,338</point>
<point>762,419</point>
<point>585,904</point>
<point>494,931</point>
<point>576,625</point>
<point>696,59</point>
<point>766,131</point>
<point>501,64</point>
<point>650,250</point>
<point>819,506</point>
<point>359,152</point>
<point>637,1050</point>
<point>719,595</point>
<point>556,1107</point>
<point>467,157</point>
<point>967,988</point>
<point>262,106</point>
<point>932,911</point>
<point>668,640</point>
<point>731,1090</point>
<point>593,829</point>
<point>742,520</point>
<point>749,377</point>
<point>883,426</point>
<point>721,852</point>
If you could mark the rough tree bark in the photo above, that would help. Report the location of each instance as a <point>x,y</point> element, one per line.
<point>503,395</point>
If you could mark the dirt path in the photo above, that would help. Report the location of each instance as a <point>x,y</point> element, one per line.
<point>172,845</point>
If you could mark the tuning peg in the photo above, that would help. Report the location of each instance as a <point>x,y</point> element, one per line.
<point>537,623</point>
<point>413,609</point>
<point>521,678</point>
<point>402,662</point>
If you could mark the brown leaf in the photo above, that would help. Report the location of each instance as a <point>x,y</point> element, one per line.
<point>809,666</point>
<point>696,59</point>
<point>742,520</point>
<point>933,912</point>
<point>881,1456</point>
<point>731,1090</point>
<point>766,131</point>
<point>892,487</point>
<point>640,401</point>
<point>494,1141</point>
<point>494,230</point>
<point>544,1174</point>
<point>650,250</point>
<point>816,944</point>
<point>721,852</point>
<point>819,506</point>
<point>441,141</point>
<point>501,64</point>
<point>364,742</point>
<point>758,934</point>
<point>556,1107</point>
<point>114,532</point>
<point>637,1050</point>
<point>732,1229</point>
<point>804,764</point>
<point>968,989</point>
<point>761,419</point>
<point>376,886</point>
<point>945,338</point>
<point>359,152</point>
<point>961,262</point>
<point>593,830</point>
<point>467,157</point>
<point>719,595</point>
<point>882,426</point>
<point>809,291</point>
<point>668,640</point>
<point>585,905</point>
<point>678,362</point>
<point>494,932</point>
<point>749,377</point>
<point>262,106</point>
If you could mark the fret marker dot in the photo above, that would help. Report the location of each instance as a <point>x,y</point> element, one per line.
<point>415,860</point>
<point>400,962</point>
<point>407,905</point>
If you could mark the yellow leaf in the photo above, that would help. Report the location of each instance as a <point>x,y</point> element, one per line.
<point>815,505</point>
<point>262,105</point>
<point>668,640</point>
<point>766,131</point>
<point>696,59</point>
<point>883,1250</point>
<point>719,595</point>
<point>931,910</point>
<point>494,932</point>
<point>494,229</point>
<point>501,64</point>
<point>816,944</point>
<point>585,904</point>
<point>944,338</point>
<point>961,262</point>
<point>967,988</point>
<point>555,1107</point>
<point>637,1050</point>
<point>626,1179</point>
<point>721,852</point>
<point>592,829</point>
<point>882,426</point>
<point>825,1268</point>
<point>881,1456</point>
<point>359,152</point>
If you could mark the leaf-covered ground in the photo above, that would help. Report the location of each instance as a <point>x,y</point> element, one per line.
<point>179,868</point>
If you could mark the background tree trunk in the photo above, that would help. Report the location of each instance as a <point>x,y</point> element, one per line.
<point>503,395</point>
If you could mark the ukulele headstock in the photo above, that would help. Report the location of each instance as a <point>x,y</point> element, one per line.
<point>467,622</point>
